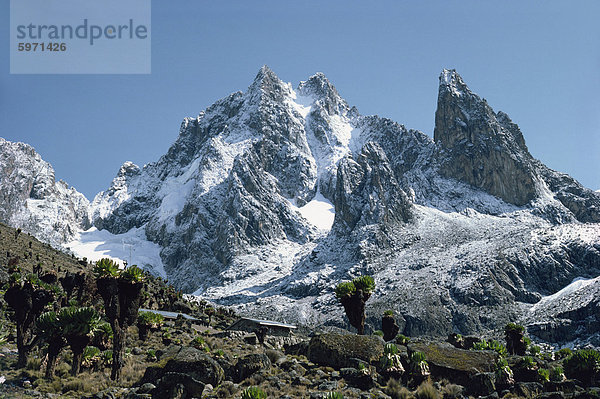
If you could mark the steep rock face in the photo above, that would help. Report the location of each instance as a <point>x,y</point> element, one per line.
<point>480,147</point>
<point>32,199</point>
<point>367,191</point>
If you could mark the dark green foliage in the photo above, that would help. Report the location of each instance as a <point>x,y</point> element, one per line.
<point>535,350</point>
<point>364,283</point>
<point>390,348</point>
<point>564,353</point>
<point>503,373</point>
<point>544,375</point>
<point>557,374</point>
<point>402,339</point>
<point>148,321</point>
<point>512,327</point>
<point>254,393</point>
<point>345,289</point>
<point>333,395</point>
<point>583,365</point>
<point>418,365</point>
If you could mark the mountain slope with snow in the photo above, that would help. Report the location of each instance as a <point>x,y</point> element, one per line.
<point>270,197</point>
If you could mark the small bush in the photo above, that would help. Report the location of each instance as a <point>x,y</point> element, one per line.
<point>544,375</point>
<point>427,391</point>
<point>219,353</point>
<point>391,349</point>
<point>333,395</point>
<point>253,393</point>
<point>564,353</point>
<point>199,344</point>
<point>378,333</point>
<point>557,374</point>
<point>154,320</point>
<point>583,365</point>
<point>491,345</point>
<point>388,313</point>
<point>396,391</point>
<point>151,355</point>
<point>402,339</point>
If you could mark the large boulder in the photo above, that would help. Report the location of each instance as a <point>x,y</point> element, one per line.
<point>178,385</point>
<point>251,364</point>
<point>189,361</point>
<point>456,365</point>
<point>337,350</point>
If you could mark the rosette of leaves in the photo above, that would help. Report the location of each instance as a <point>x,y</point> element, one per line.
<point>418,365</point>
<point>148,321</point>
<point>557,374</point>
<point>402,339</point>
<point>253,393</point>
<point>199,343</point>
<point>503,373</point>
<point>390,363</point>
<point>91,358</point>
<point>106,267</point>
<point>543,375</point>
<point>491,345</point>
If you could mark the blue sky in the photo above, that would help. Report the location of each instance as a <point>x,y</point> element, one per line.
<point>537,61</point>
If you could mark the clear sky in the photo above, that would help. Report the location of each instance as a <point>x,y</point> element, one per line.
<point>537,61</point>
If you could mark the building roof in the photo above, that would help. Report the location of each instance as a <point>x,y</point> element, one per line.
<point>169,315</point>
<point>266,323</point>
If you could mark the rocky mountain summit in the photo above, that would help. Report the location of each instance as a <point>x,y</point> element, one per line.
<point>270,197</point>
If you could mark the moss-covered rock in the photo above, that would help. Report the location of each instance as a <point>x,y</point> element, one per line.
<point>456,365</point>
<point>337,350</point>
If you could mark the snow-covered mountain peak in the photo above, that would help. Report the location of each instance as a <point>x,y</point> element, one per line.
<point>453,83</point>
<point>324,92</point>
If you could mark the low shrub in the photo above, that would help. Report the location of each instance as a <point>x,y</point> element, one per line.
<point>396,391</point>
<point>583,365</point>
<point>427,391</point>
<point>491,345</point>
<point>254,393</point>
